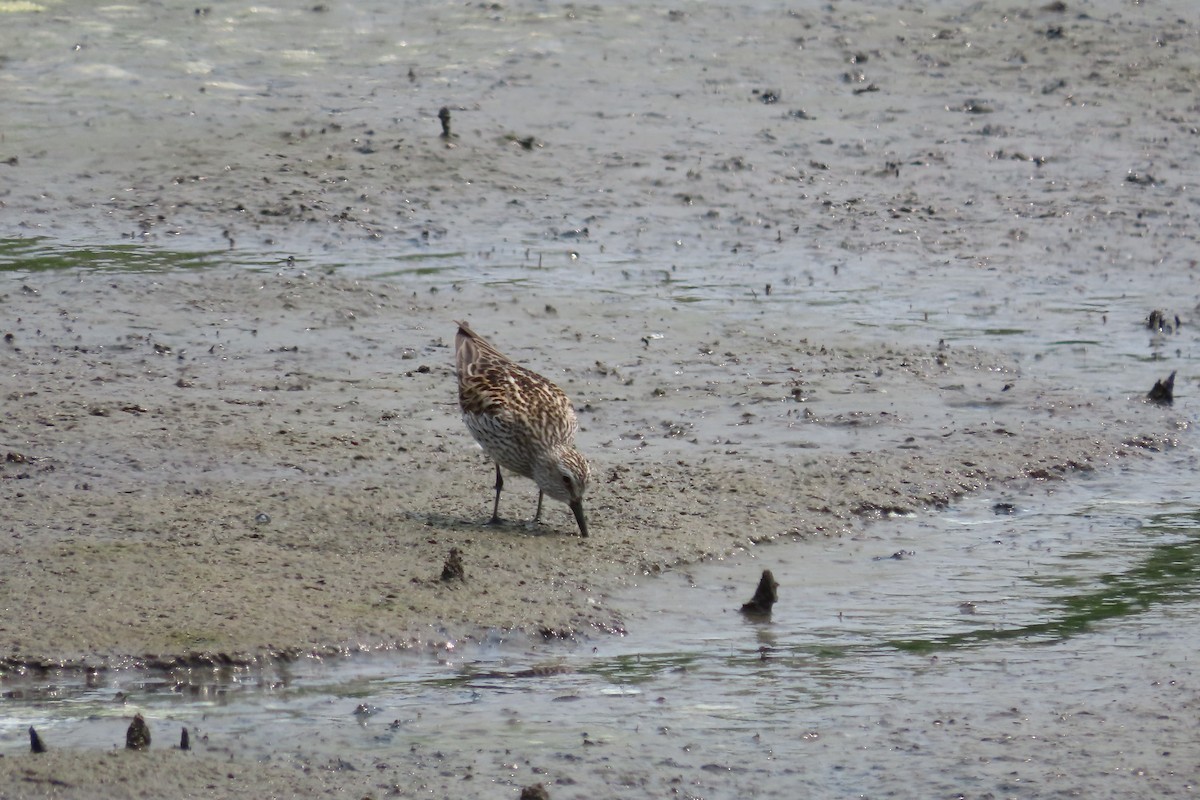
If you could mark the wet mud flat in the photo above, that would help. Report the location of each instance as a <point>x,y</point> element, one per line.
<point>222,466</point>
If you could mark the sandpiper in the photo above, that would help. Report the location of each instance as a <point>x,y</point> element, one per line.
<point>522,421</point>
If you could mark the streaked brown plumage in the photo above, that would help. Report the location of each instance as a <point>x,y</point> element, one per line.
<point>522,421</point>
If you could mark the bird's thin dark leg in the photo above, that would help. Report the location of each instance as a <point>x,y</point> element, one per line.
<point>496,508</point>
<point>537,517</point>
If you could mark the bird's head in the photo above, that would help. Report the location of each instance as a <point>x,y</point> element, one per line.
<point>565,478</point>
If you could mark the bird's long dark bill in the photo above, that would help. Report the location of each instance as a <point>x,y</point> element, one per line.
<point>577,507</point>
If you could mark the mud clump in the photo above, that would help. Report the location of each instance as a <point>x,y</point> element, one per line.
<point>1159,320</point>
<point>137,737</point>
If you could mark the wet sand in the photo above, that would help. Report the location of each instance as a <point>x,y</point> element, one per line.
<point>226,465</point>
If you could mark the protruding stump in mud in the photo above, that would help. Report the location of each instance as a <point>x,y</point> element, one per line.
<point>184,742</point>
<point>453,570</point>
<point>444,117</point>
<point>1163,392</point>
<point>535,792</point>
<point>764,596</point>
<point>35,742</point>
<point>138,735</point>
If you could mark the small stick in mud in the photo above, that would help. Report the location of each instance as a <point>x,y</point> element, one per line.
<point>764,596</point>
<point>35,741</point>
<point>444,116</point>
<point>184,742</point>
<point>453,568</point>
<point>1163,392</point>
<point>138,735</point>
